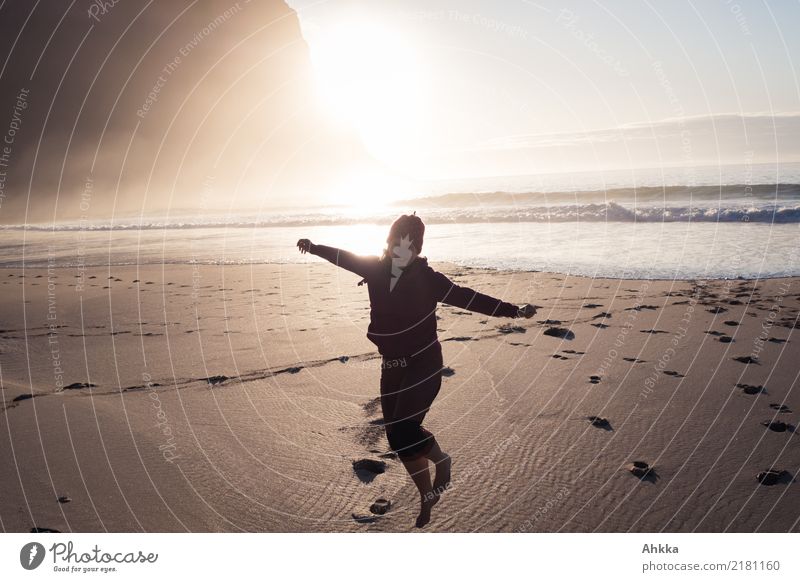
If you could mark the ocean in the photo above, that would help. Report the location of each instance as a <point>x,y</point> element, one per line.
<point>706,223</point>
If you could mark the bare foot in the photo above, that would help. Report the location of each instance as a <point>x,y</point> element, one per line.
<point>441,482</point>
<point>425,505</point>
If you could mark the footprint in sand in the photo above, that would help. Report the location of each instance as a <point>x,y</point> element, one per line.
<point>599,422</point>
<point>777,426</point>
<point>367,469</point>
<point>559,332</point>
<point>779,407</point>
<point>750,389</point>
<point>773,477</point>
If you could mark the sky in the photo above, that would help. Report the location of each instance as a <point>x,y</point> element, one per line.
<point>180,108</point>
<point>460,88</point>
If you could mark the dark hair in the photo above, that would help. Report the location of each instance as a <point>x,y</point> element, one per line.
<point>409,225</point>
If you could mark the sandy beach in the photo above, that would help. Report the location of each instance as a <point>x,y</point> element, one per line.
<point>209,398</point>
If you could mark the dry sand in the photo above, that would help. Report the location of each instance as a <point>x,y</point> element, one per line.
<point>205,398</point>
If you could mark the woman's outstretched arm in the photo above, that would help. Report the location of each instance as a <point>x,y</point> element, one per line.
<point>346,260</point>
<point>448,292</point>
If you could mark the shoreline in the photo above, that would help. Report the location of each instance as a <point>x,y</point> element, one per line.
<point>446,265</point>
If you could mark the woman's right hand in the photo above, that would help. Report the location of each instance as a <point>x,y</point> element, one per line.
<point>527,311</point>
<point>304,245</point>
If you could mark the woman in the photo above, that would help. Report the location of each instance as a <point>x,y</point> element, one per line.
<point>403,294</point>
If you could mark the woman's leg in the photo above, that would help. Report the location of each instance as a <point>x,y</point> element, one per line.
<point>418,470</point>
<point>405,407</point>
<point>443,464</point>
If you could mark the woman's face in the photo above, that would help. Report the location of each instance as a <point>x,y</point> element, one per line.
<point>402,250</point>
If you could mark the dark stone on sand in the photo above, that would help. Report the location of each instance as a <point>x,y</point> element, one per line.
<point>599,325</point>
<point>775,425</point>
<point>715,333</point>
<point>44,530</point>
<point>64,499</point>
<point>725,339</point>
<point>750,389</point>
<point>594,379</point>
<point>447,372</point>
<point>731,323</point>
<point>560,332</point>
<point>591,305</point>
<point>776,340</point>
<point>508,328</point>
<point>389,455</point>
<point>294,369</point>
<point>746,359</point>
<point>380,506</point>
<point>343,359</point>
<point>653,331</point>
<point>717,310</point>
<point>550,322</point>
<point>772,476</point>
<point>602,315</point>
<point>80,386</point>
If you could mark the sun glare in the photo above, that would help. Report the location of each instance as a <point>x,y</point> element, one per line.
<point>370,78</point>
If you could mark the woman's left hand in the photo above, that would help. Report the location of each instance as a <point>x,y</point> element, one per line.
<point>527,311</point>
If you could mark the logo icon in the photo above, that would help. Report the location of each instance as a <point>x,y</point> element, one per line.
<point>31,555</point>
